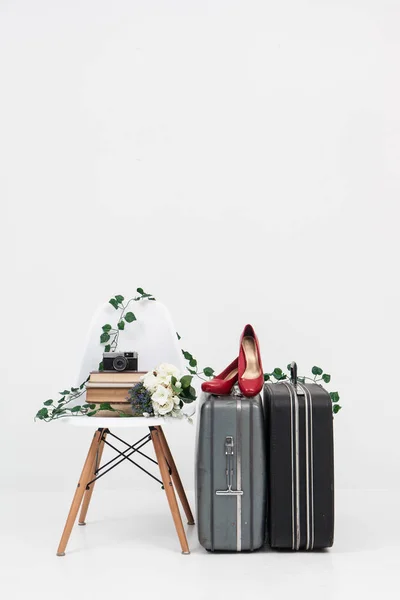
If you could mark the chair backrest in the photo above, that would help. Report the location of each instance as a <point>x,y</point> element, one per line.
<point>152,335</point>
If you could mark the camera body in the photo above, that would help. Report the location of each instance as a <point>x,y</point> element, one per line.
<point>120,361</point>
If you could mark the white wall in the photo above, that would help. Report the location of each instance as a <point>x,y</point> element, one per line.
<point>240,160</point>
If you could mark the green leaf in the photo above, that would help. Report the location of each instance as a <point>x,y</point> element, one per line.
<point>178,336</point>
<point>75,409</point>
<point>317,371</point>
<point>104,338</point>
<point>43,413</point>
<point>121,325</point>
<point>186,380</point>
<point>140,290</point>
<point>74,390</point>
<point>106,328</point>
<point>91,413</point>
<point>114,303</point>
<point>105,406</point>
<point>48,402</point>
<point>334,396</point>
<point>119,299</point>
<point>64,393</point>
<point>59,411</point>
<point>187,355</point>
<point>188,394</point>
<point>191,371</point>
<point>193,362</point>
<point>61,400</point>
<point>288,366</point>
<point>208,371</point>
<point>129,317</point>
<point>336,408</point>
<point>107,348</point>
<point>326,377</point>
<point>278,374</point>
<point>177,391</point>
<point>266,377</point>
<point>101,366</point>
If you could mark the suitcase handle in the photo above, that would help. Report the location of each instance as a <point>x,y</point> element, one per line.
<point>293,373</point>
<point>229,453</point>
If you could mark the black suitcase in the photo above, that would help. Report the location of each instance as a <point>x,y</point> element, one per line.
<point>299,430</point>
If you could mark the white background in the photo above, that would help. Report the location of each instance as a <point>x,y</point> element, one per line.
<point>239,160</point>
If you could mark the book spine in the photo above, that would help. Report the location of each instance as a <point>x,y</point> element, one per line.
<point>102,376</point>
<point>98,395</point>
<point>111,385</point>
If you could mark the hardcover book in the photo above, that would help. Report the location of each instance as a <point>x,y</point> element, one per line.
<point>115,376</point>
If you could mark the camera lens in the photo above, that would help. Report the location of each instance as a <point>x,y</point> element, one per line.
<point>120,363</point>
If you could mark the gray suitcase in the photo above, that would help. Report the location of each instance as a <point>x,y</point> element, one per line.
<point>231,473</point>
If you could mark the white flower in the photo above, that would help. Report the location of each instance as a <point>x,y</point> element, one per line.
<point>176,400</point>
<point>178,384</point>
<point>162,395</point>
<point>151,381</point>
<point>166,408</point>
<point>166,371</point>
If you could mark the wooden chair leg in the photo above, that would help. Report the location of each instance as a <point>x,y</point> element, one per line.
<point>175,476</point>
<point>169,490</point>
<point>80,490</point>
<point>88,493</point>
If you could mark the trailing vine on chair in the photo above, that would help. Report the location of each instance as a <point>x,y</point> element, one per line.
<point>54,409</point>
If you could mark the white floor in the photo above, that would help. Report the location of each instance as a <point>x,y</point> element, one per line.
<point>129,547</point>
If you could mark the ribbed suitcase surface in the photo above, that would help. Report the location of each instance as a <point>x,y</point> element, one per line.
<point>231,473</point>
<point>299,430</point>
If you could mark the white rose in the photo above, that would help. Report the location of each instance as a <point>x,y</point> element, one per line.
<point>151,381</point>
<point>167,370</point>
<point>167,407</point>
<point>162,395</point>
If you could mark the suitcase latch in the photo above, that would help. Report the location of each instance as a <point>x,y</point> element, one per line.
<point>229,453</point>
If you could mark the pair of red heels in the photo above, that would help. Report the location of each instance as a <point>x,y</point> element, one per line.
<point>246,369</point>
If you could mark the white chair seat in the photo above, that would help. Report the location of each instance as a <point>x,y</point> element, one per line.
<point>124,422</point>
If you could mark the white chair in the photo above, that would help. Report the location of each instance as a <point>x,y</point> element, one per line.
<point>153,336</point>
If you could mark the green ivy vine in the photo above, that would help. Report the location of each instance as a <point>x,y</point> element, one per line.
<point>318,375</point>
<point>54,409</point>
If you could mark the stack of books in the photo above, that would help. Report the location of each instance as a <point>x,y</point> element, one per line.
<point>111,387</point>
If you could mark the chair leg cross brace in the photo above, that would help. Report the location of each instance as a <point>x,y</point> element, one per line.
<point>92,471</point>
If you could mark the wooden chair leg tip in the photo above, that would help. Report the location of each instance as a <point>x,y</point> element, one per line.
<point>185,552</point>
<point>81,524</point>
<point>60,553</point>
<point>191,523</point>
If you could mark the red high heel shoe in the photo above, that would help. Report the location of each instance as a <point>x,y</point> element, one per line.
<point>251,376</point>
<point>224,382</point>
